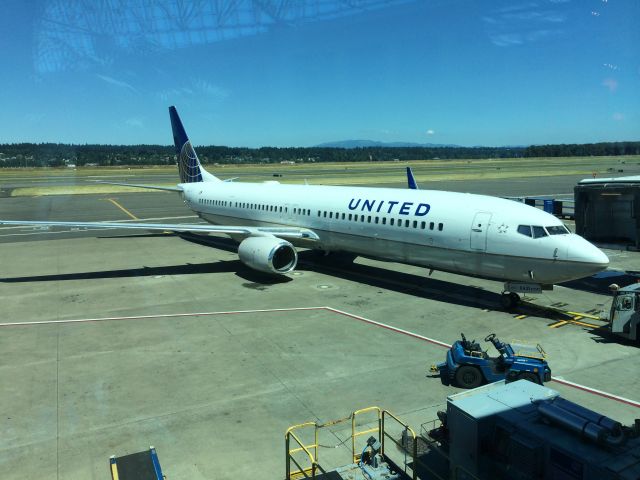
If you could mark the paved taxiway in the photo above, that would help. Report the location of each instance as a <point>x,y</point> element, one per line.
<point>120,362</point>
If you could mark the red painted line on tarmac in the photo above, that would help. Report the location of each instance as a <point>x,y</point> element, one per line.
<point>600,393</point>
<point>577,386</point>
<point>567,383</point>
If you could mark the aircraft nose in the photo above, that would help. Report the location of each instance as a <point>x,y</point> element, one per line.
<point>582,251</point>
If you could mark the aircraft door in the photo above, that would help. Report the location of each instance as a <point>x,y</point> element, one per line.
<point>479,231</point>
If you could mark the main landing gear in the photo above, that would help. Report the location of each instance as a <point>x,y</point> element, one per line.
<point>510,300</point>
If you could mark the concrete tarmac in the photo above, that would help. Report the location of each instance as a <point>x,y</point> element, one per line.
<point>111,342</point>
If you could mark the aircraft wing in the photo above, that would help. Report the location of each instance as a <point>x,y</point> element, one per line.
<point>283,232</point>
<point>150,187</point>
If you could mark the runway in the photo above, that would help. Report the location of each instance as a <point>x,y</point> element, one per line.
<point>113,342</point>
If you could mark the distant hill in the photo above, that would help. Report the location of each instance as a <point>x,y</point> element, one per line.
<point>372,143</point>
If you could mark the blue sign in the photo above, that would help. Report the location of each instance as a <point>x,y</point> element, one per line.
<point>389,207</point>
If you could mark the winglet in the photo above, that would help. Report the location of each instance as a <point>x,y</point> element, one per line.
<point>189,166</point>
<point>411,180</point>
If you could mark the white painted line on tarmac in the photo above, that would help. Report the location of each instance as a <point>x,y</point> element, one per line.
<point>389,327</point>
<point>148,317</point>
<point>433,341</point>
<point>577,386</point>
<point>611,396</point>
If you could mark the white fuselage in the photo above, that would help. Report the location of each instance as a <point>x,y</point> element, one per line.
<point>464,233</point>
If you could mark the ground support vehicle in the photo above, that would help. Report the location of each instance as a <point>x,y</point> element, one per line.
<point>624,318</point>
<point>468,366</point>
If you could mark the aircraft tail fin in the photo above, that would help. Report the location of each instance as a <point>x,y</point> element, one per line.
<point>411,180</point>
<point>189,166</point>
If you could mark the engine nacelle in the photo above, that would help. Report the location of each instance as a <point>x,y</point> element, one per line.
<point>268,254</point>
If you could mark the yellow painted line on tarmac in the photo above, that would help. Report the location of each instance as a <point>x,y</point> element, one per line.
<point>561,323</point>
<point>520,317</point>
<point>586,315</point>
<point>584,324</point>
<point>122,208</point>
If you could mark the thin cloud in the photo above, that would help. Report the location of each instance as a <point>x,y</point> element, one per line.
<point>611,84</point>
<point>523,23</point>
<point>34,117</point>
<point>115,82</point>
<point>431,132</point>
<point>618,117</point>
<point>211,90</point>
<point>135,122</point>
<point>507,39</point>
<point>200,89</point>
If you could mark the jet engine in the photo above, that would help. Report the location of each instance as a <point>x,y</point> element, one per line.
<point>268,254</point>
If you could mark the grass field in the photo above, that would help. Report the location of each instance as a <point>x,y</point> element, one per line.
<point>319,173</point>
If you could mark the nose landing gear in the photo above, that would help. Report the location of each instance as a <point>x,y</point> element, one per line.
<point>510,300</point>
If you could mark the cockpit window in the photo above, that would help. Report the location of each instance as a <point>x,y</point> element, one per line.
<point>538,232</point>
<point>524,230</point>
<point>558,230</point>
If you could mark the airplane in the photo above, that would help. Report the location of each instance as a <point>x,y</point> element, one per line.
<point>463,233</point>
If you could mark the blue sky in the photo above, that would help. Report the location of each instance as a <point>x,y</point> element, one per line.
<point>278,73</point>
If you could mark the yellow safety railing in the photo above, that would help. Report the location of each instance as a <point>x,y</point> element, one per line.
<point>295,446</point>
<point>354,434</point>
<point>409,431</point>
<point>302,472</point>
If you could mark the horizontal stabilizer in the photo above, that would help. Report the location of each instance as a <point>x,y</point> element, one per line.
<point>137,185</point>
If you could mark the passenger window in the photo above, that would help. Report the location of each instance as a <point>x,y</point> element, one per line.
<point>350,216</point>
<point>422,225</point>
<point>384,220</point>
<point>391,222</point>
<point>377,219</point>
<point>538,232</point>
<point>415,224</point>
<point>524,230</point>
<point>440,226</point>
<point>431,225</point>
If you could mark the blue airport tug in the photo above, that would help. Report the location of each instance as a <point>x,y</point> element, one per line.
<point>468,366</point>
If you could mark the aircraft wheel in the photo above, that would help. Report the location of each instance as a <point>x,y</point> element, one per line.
<point>510,300</point>
<point>529,376</point>
<point>468,377</point>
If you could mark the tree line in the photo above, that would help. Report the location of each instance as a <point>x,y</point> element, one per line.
<point>57,154</point>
